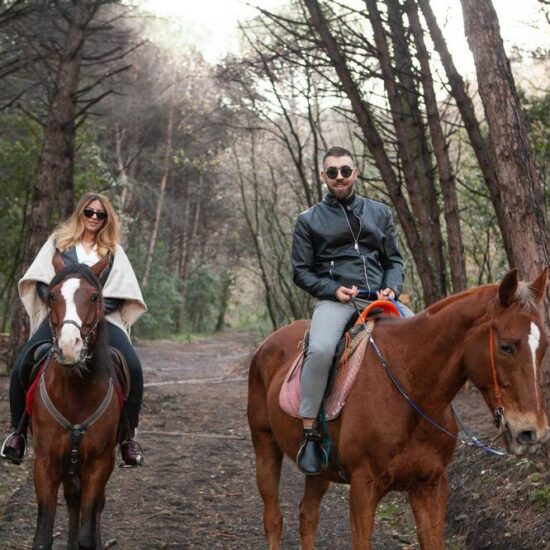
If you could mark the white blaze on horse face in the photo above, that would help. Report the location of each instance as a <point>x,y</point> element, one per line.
<point>534,340</point>
<point>70,342</point>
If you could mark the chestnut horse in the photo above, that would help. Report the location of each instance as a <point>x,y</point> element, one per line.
<point>492,335</point>
<point>75,414</point>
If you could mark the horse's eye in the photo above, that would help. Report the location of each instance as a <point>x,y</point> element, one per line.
<point>95,298</point>
<point>51,296</point>
<point>508,349</point>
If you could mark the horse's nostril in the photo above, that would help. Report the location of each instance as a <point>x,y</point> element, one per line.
<point>527,437</point>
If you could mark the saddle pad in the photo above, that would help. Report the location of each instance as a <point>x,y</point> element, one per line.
<point>340,385</point>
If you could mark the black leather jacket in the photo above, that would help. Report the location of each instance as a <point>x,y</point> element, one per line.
<point>325,254</point>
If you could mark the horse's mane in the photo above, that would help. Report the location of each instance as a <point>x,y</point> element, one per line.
<point>101,357</point>
<point>524,296</point>
<point>78,269</point>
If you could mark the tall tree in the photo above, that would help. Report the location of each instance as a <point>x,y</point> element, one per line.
<point>525,226</point>
<point>53,193</point>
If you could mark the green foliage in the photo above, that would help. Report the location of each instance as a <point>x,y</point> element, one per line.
<point>91,171</point>
<point>537,114</point>
<point>20,142</point>
<point>162,296</point>
<point>202,300</point>
<point>541,498</point>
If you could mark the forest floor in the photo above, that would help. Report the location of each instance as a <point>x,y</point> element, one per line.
<point>198,490</point>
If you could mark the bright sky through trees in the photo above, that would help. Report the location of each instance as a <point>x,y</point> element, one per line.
<point>211,25</point>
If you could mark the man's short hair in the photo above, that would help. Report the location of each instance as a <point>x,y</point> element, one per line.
<point>337,152</point>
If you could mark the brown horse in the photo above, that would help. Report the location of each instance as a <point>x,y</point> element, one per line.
<point>75,414</point>
<point>492,335</point>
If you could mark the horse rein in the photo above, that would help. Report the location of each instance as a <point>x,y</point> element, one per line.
<point>474,441</point>
<point>498,413</point>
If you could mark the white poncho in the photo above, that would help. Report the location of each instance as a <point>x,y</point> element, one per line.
<point>121,283</point>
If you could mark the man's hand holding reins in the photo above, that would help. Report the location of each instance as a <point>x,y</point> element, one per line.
<point>385,294</point>
<point>344,294</point>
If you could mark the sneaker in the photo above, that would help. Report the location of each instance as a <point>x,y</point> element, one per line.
<point>131,454</point>
<point>309,457</point>
<point>13,448</point>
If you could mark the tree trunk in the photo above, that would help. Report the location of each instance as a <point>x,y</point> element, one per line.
<point>225,294</point>
<point>467,111</point>
<point>410,134</point>
<point>56,163</point>
<point>525,224</point>
<point>162,190</point>
<point>444,167</point>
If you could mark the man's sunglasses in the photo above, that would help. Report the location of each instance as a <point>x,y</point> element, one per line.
<point>332,172</point>
<point>99,214</point>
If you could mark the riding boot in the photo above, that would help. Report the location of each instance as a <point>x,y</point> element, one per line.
<point>14,446</point>
<point>131,454</point>
<point>309,457</point>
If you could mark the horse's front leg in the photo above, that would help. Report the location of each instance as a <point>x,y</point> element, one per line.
<point>316,487</point>
<point>47,477</point>
<point>94,480</point>
<point>429,503</point>
<point>72,496</point>
<point>269,459</point>
<point>364,498</point>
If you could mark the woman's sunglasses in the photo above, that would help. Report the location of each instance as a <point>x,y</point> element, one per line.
<point>332,172</point>
<point>99,214</point>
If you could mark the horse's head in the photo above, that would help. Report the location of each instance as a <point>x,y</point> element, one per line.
<point>76,308</point>
<point>503,355</point>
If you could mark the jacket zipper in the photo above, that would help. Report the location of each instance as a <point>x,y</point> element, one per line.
<point>355,244</point>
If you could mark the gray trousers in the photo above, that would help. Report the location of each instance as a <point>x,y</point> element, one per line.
<point>327,326</point>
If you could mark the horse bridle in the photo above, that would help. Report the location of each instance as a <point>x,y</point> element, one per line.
<point>498,413</point>
<point>84,355</point>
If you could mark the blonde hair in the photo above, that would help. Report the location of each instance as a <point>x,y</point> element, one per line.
<point>69,233</point>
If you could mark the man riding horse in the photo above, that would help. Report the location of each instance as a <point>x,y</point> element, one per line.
<point>342,246</point>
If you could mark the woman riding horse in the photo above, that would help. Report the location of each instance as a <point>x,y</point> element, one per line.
<point>87,236</point>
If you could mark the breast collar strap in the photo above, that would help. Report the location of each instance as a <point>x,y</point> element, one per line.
<point>76,431</point>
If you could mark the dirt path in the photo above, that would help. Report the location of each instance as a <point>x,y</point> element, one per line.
<point>198,489</point>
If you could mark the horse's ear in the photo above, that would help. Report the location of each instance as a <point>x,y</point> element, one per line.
<point>508,287</point>
<point>58,263</point>
<point>538,286</point>
<point>98,268</point>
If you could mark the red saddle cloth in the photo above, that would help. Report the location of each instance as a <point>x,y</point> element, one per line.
<point>31,392</point>
<point>344,377</point>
